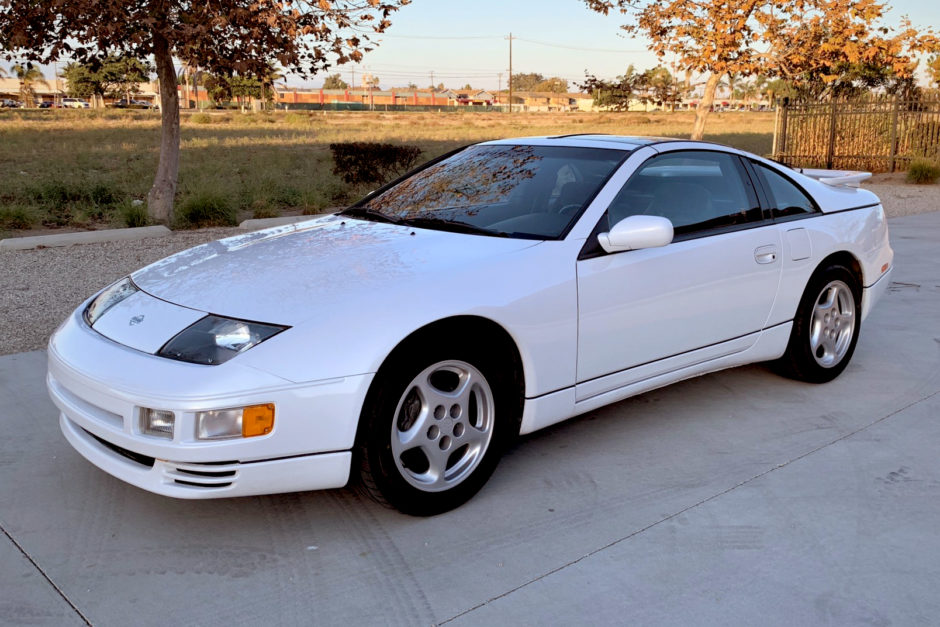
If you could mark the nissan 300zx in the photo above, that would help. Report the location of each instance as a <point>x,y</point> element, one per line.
<point>402,343</point>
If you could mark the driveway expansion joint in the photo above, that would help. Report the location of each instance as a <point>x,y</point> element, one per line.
<point>44,575</point>
<point>690,507</point>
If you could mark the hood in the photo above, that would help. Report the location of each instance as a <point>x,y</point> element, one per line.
<point>287,274</point>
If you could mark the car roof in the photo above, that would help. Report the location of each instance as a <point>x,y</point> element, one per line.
<point>588,140</point>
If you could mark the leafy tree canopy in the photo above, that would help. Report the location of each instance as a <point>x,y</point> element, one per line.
<point>224,37</point>
<point>335,81</point>
<point>786,38</point>
<point>526,82</point>
<point>114,76</point>
<point>554,85</point>
<point>933,69</point>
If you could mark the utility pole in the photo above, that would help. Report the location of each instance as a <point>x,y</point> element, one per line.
<point>196,87</point>
<point>510,72</point>
<point>432,80</point>
<point>352,80</point>
<point>499,85</point>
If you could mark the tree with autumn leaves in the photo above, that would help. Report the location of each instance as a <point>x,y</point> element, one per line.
<point>225,37</point>
<point>799,40</point>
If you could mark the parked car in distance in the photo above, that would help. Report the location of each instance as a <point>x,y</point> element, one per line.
<point>6,103</point>
<point>48,104</point>
<point>133,104</point>
<point>404,342</point>
<point>75,103</point>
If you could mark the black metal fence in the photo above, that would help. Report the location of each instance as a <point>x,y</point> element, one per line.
<point>878,134</point>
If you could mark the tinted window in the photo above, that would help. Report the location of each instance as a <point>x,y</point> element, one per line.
<point>695,190</point>
<point>527,191</point>
<point>786,198</point>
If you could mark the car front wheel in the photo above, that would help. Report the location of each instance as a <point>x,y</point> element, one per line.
<point>435,427</point>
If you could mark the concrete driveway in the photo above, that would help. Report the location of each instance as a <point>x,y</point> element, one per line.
<point>735,498</point>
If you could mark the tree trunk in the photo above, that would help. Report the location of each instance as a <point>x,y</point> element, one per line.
<point>160,198</point>
<point>705,106</point>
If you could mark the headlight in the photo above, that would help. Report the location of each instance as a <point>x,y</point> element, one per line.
<point>214,340</point>
<point>107,299</point>
<point>237,422</point>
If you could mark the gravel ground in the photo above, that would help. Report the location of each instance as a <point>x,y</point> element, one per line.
<point>39,288</point>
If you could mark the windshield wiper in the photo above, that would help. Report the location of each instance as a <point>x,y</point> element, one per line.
<point>371,214</point>
<point>445,224</point>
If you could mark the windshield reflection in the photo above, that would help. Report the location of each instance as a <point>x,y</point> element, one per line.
<point>508,190</point>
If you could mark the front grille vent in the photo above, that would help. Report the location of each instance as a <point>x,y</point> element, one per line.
<point>143,460</point>
<point>211,476</point>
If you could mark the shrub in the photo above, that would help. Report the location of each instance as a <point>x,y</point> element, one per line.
<point>922,171</point>
<point>56,193</point>
<point>15,219</point>
<point>297,119</point>
<point>287,196</point>
<point>135,215</point>
<point>206,209</point>
<point>102,195</point>
<point>58,215</point>
<point>261,209</point>
<point>200,118</point>
<point>371,163</point>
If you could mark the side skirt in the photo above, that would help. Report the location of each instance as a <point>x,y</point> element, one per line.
<point>550,409</point>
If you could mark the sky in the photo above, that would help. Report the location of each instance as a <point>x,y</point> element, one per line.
<point>465,41</point>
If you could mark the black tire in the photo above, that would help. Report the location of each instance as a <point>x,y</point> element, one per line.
<point>403,400</point>
<point>820,347</point>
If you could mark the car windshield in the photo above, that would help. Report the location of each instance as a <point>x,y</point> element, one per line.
<point>532,192</point>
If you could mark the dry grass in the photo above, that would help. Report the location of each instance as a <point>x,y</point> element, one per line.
<point>83,169</point>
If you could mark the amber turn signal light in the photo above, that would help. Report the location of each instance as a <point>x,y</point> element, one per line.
<point>257,420</point>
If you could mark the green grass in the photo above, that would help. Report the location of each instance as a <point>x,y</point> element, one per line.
<point>922,171</point>
<point>84,168</point>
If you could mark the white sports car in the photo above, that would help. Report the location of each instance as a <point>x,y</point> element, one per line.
<point>497,290</point>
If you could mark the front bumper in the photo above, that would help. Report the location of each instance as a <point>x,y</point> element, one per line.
<point>100,386</point>
<point>210,480</point>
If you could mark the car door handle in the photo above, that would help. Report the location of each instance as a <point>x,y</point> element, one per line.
<point>766,254</point>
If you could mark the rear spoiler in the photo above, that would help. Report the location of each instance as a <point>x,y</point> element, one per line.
<point>836,178</point>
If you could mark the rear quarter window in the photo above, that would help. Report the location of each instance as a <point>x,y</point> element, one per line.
<point>786,198</point>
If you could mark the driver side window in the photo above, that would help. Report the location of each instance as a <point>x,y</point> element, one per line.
<point>695,190</point>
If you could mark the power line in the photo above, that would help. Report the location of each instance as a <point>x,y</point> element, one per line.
<point>440,37</point>
<point>551,45</point>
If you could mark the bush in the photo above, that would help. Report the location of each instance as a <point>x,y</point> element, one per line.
<point>135,215</point>
<point>371,163</point>
<point>102,195</point>
<point>56,193</point>
<point>922,171</point>
<point>58,215</point>
<point>297,119</point>
<point>261,209</point>
<point>206,209</point>
<point>15,219</point>
<point>200,118</point>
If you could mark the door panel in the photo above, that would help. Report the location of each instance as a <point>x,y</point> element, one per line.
<point>640,306</point>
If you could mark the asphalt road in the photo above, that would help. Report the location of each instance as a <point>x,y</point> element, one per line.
<point>735,498</point>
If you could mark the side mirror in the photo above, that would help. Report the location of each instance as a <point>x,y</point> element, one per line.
<point>636,232</point>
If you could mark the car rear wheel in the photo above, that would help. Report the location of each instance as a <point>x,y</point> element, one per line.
<point>434,427</point>
<point>826,326</point>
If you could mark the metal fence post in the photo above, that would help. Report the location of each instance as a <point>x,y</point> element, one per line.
<point>780,147</point>
<point>830,149</point>
<point>894,133</point>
